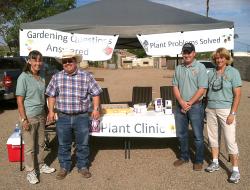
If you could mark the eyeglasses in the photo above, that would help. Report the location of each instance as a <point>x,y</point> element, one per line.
<point>65,61</point>
<point>217,84</point>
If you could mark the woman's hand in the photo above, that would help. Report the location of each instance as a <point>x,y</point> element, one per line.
<point>26,125</point>
<point>51,117</point>
<point>230,119</point>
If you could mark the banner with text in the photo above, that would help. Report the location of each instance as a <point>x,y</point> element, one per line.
<point>137,125</point>
<point>170,44</point>
<point>52,42</point>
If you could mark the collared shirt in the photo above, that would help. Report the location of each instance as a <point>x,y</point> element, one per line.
<point>73,92</point>
<point>190,78</point>
<point>33,92</point>
<point>220,90</point>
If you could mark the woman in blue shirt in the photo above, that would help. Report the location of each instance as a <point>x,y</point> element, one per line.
<point>30,100</point>
<point>224,91</point>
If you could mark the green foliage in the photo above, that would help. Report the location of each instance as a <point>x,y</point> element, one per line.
<point>95,64</point>
<point>114,58</point>
<point>203,55</point>
<point>3,50</point>
<point>15,12</point>
<point>140,53</point>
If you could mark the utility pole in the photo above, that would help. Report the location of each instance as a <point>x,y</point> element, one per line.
<point>207,8</point>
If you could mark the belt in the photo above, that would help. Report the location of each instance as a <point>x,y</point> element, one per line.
<point>197,102</point>
<point>77,113</point>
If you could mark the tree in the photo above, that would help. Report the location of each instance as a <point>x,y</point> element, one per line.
<point>140,53</point>
<point>204,55</point>
<point>15,12</point>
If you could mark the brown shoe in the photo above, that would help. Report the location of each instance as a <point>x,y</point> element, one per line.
<point>61,174</point>
<point>85,173</point>
<point>179,162</point>
<point>197,166</point>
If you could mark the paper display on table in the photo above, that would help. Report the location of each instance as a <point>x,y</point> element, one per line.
<point>168,107</point>
<point>107,106</point>
<point>111,111</point>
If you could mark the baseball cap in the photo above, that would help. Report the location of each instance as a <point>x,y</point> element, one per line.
<point>188,47</point>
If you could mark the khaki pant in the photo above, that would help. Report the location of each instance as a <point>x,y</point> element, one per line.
<point>34,142</point>
<point>216,121</point>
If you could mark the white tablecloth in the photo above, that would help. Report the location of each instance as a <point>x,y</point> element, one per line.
<point>149,124</point>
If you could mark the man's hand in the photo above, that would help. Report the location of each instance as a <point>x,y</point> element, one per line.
<point>185,106</point>
<point>95,114</point>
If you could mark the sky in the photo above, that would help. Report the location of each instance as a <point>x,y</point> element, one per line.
<point>237,11</point>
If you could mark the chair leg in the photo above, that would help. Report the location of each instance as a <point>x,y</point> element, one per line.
<point>129,146</point>
<point>125,147</point>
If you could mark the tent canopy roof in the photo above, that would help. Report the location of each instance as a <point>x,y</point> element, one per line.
<point>127,18</point>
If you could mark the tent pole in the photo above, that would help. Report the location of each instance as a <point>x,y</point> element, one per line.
<point>21,151</point>
<point>177,59</point>
<point>232,54</point>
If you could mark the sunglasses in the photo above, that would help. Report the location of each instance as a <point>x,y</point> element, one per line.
<point>65,61</point>
<point>217,84</point>
<point>36,60</point>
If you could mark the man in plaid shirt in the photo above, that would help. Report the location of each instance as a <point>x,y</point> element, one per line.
<point>69,92</point>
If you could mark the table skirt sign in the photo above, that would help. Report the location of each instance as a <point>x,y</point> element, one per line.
<point>158,123</point>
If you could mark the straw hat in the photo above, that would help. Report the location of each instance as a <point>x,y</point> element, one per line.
<point>69,54</point>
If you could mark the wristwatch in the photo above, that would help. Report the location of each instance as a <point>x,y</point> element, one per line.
<point>96,109</point>
<point>23,119</point>
<point>233,113</point>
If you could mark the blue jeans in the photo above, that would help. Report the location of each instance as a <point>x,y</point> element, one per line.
<point>79,125</point>
<point>195,116</point>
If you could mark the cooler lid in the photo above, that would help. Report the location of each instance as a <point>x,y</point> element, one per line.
<point>14,139</point>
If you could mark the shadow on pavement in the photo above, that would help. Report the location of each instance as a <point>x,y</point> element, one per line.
<point>117,143</point>
<point>53,149</point>
<point>7,105</point>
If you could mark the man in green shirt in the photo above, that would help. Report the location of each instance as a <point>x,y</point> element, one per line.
<point>189,85</point>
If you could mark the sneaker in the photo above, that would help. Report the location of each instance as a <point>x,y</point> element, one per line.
<point>235,177</point>
<point>180,162</point>
<point>85,173</point>
<point>32,177</point>
<point>212,167</point>
<point>46,169</point>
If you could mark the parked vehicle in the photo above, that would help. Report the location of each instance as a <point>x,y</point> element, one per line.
<point>10,69</point>
<point>208,64</point>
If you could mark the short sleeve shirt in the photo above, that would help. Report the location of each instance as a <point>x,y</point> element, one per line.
<point>220,92</point>
<point>73,92</point>
<point>33,92</point>
<point>190,78</point>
